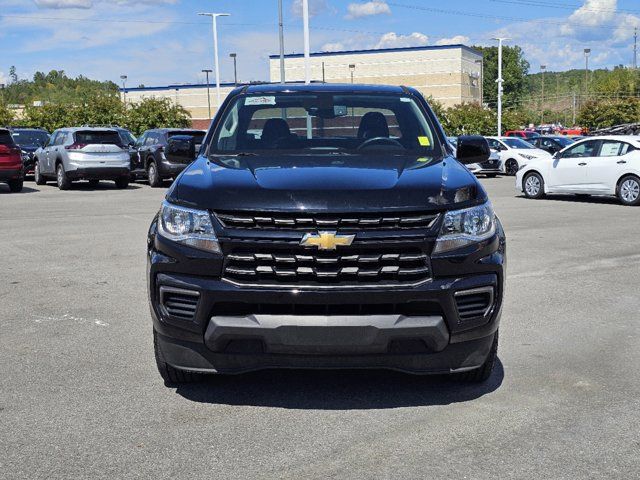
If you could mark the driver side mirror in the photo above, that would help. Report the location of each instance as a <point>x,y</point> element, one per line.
<point>472,149</point>
<point>556,155</point>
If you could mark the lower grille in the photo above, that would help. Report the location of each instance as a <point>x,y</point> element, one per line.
<point>489,164</point>
<point>474,303</point>
<point>179,303</point>
<point>348,266</point>
<point>409,309</point>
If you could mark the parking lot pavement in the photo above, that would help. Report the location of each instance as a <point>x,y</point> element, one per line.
<point>80,395</point>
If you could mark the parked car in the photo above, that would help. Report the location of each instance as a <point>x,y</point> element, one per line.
<point>11,166</point>
<point>29,140</point>
<point>551,144</point>
<point>524,134</point>
<point>490,168</point>
<point>317,245</point>
<point>164,152</point>
<point>608,165</point>
<point>515,152</point>
<point>83,153</point>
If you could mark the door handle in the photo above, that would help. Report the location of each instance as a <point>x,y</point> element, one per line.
<point>582,164</point>
<point>621,162</point>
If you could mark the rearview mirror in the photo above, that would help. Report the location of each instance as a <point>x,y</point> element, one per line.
<point>472,149</point>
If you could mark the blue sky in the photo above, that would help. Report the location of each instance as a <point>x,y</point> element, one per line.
<point>156,42</point>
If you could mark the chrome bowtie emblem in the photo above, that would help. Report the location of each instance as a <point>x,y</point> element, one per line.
<point>326,240</point>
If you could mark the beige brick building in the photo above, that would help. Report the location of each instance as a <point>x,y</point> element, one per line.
<point>451,74</point>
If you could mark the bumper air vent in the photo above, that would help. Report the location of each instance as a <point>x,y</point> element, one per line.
<point>474,303</point>
<point>179,303</point>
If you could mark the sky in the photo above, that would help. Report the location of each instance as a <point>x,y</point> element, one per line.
<point>160,42</point>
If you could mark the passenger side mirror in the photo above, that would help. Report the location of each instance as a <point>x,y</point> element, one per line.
<point>472,149</point>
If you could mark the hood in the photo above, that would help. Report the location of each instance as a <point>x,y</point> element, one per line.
<point>28,148</point>
<point>336,183</point>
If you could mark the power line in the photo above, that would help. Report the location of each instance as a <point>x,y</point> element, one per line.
<point>538,3</point>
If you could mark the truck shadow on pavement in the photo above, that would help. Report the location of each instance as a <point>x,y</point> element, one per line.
<point>337,390</point>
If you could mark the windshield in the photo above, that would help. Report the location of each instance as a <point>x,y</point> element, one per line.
<point>126,137</point>
<point>324,123</point>
<point>198,136</point>
<point>517,143</point>
<point>5,138</point>
<point>30,137</point>
<point>89,137</point>
<point>564,141</point>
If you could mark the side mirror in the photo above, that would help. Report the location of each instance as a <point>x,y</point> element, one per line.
<point>472,149</point>
<point>556,155</point>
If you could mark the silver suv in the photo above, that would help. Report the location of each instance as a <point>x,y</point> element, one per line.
<point>83,153</point>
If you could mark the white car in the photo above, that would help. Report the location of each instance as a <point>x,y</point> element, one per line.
<point>608,165</point>
<point>515,152</point>
<point>491,167</point>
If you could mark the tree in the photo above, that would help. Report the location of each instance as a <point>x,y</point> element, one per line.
<point>12,74</point>
<point>514,73</point>
<point>155,113</point>
<point>469,119</point>
<point>601,114</point>
<point>6,115</point>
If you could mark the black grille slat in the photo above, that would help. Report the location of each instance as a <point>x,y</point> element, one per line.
<point>417,308</point>
<point>179,303</point>
<point>474,303</point>
<point>292,221</point>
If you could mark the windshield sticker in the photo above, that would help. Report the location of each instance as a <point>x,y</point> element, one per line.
<point>260,101</point>
<point>405,99</point>
<point>424,141</point>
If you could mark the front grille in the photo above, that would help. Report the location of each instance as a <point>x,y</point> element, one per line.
<point>340,222</point>
<point>179,303</point>
<point>474,303</point>
<point>351,265</point>
<point>490,164</point>
<point>409,309</point>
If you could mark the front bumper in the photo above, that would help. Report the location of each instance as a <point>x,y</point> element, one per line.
<point>285,327</point>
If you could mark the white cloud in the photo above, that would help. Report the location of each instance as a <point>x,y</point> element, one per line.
<point>367,9</point>
<point>3,78</point>
<point>456,40</point>
<point>315,7</point>
<point>333,47</point>
<point>393,40</point>
<point>64,3</point>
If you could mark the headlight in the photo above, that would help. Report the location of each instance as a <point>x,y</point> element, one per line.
<point>465,227</point>
<point>188,226</point>
<point>528,157</point>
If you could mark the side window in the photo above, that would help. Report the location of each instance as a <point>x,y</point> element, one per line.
<point>584,149</point>
<point>626,148</point>
<point>611,148</point>
<point>53,138</point>
<point>493,144</point>
<point>151,139</point>
<point>60,139</point>
<point>141,140</point>
<point>547,143</point>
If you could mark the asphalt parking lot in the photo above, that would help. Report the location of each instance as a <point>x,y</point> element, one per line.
<point>80,395</point>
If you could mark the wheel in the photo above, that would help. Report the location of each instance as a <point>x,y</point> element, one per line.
<point>533,185</point>
<point>629,190</point>
<point>490,175</point>
<point>169,374</point>
<point>15,185</point>
<point>482,373</point>
<point>511,167</point>
<point>94,183</point>
<point>38,178</point>
<point>154,178</point>
<point>122,182</point>
<point>63,181</point>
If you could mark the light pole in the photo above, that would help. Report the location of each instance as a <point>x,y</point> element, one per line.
<point>305,21</point>
<point>176,96</point>
<point>207,72</point>
<point>214,17</point>
<point>481,62</point>
<point>499,81</point>
<point>235,68</point>
<point>124,89</point>
<point>542,69</point>
<point>281,34</point>
<point>587,52</point>
<point>352,69</point>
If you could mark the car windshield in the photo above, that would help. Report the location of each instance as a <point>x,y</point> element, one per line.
<point>126,137</point>
<point>88,137</point>
<point>198,136</point>
<point>5,138</point>
<point>326,123</point>
<point>564,141</point>
<point>517,143</point>
<point>30,137</point>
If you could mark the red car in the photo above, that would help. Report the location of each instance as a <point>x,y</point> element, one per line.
<point>524,134</point>
<point>11,167</point>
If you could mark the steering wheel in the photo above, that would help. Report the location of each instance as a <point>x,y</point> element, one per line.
<point>374,140</point>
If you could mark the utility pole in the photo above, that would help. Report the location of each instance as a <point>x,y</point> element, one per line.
<point>124,89</point>
<point>281,33</point>
<point>352,69</point>
<point>635,48</point>
<point>207,72</point>
<point>235,68</point>
<point>481,62</point>
<point>305,20</point>
<point>542,69</point>
<point>587,52</point>
<point>573,124</point>
<point>214,17</point>
<point>499,81</point>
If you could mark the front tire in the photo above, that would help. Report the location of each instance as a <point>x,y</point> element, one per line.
<point>483,373</point>
<point>511,167</point>
<point>154,177</point>
<point>37,176</point>
<point>15,185</point>
<point>629,191</point>
<point>63,181</point>
<point>171,375</point>
<point>533,185</point>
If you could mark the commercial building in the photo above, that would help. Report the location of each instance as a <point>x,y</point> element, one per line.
<point>450,74</point>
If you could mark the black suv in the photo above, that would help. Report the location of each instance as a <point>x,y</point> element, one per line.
<point>164,152</point>
<point>327,226</point>
<point>29,140</point>
<point>551,144</point>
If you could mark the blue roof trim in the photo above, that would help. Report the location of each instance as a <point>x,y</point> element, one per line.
<point>381,50</point>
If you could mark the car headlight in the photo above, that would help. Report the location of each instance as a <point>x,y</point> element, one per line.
<point>466,227</point>
<point>528,157</point>
<point>188,226</point>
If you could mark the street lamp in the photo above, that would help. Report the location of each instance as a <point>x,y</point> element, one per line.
<point>352,68</point>
<point>587,52</point>
<point>235,68</point>
<point>499,81</point>
<point>214,17</point>
<point>305,28</point>
<point>207,72</point>
<point>124,89</point>
<point>481,62</point>
<point>542,69</point>
<point>281,35</point>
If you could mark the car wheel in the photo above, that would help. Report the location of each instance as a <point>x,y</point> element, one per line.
<point>94,183</point>
<point>169,374</point>
<point>63,181</point>
<point>154,178</point>
<point>122,182</point>
<point>15,185</point>
<point>533,185</point>
<point>37,177</point>
<point>483,373</point>
<point>629,190</point>
<point>491,175</point>
<point>511,167</point>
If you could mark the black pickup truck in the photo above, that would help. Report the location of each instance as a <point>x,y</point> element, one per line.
<point>327,226</point>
